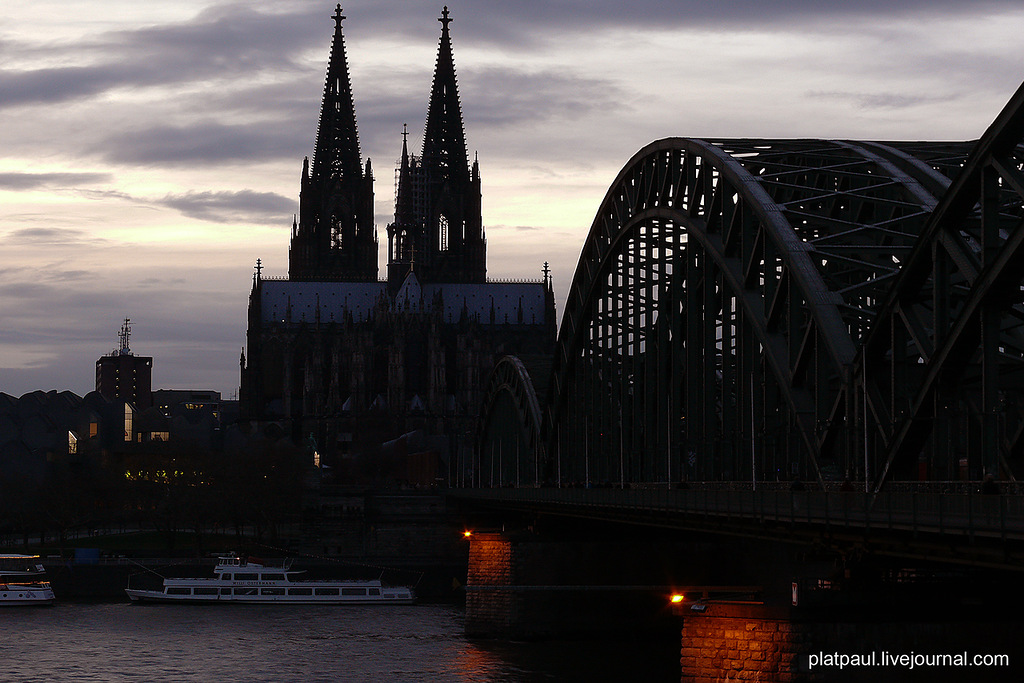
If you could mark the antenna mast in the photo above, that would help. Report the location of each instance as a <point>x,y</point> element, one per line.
<point>122,336</point>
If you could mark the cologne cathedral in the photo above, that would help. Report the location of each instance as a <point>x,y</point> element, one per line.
<point>337,356</point>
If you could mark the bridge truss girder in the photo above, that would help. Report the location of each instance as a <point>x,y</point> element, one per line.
<point>945,360</point>
<point>712,328</point>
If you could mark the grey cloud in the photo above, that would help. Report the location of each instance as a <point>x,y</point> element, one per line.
<point>104,194</point>
<point>32,181</point>
<point>25,288</point>
<point>58,84</point>
<point>162,282</point>
<point>278,105</point>
<point>525,24</point>
<point>232,37</point>
<point>71,275</point>
<point>46,278</point>
<point>202,142</point>
<point>33,291</point>
<point>502,96</point>
<point>51,236</point>
<point>220,42</point>
<point>235,40</point>
<point>225,207</point>
<point>875,101</point>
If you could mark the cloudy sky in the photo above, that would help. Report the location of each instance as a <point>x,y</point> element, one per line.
<point>150,151</point>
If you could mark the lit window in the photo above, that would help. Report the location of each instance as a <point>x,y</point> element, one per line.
<point>127,422</point>
<point>442,226</point>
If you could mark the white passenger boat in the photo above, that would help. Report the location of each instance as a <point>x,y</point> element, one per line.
<point>22,581</point>
<point>239,580</point>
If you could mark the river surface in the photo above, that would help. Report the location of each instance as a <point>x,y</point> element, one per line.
<point>251,643</point>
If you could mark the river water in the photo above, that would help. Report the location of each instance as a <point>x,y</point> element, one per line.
<point>255,643</point>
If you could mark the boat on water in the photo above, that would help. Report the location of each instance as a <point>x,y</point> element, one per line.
<point>247,581</point>
<point>22,581</point>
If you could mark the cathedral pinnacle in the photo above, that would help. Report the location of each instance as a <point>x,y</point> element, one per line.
<point>444,140</point>
<point>334,237</point>
<point>337,145</point>
<point>438,228</point>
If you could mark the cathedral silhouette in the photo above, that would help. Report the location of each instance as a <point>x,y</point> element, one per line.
<point>344,360</point>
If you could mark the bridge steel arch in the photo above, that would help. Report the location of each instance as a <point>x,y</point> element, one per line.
<point>713,324</point>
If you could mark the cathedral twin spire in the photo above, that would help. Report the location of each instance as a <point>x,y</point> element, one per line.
<point>334,238</point>
<point>444,140</point>
<point>438,227</point>
<point>437,212</point>
<point>337,139</point>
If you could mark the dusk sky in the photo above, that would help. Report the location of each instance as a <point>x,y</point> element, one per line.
<point>150,151</point>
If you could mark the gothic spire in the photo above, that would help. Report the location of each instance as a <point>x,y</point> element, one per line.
<point>335,236</point>
<point>444,140</point>
<point>405,212</point>
<point>437,207</point>
<point>337,139</point>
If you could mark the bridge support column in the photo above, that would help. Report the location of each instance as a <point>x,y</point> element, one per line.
<point>489,601</point>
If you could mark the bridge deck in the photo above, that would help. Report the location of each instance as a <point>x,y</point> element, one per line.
<point>953,521</point>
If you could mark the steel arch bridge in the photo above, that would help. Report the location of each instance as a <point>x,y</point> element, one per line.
<point>763,310</point>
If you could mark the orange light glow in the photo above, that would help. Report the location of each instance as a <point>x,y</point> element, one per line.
<point>678,597</point>
<point>467,533</point>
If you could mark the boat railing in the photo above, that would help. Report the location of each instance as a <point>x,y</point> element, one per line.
<point>253,563</point>
<point>26,585</point>
<point>58,561</point>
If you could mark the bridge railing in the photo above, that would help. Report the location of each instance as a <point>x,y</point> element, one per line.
<point>967,514</point>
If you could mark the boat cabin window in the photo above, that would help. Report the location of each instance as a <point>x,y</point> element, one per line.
<point>203,590</point>
<point>353,591</point>
<point>246,591</point>
<point>175,590</point>
<point>374,591</point>
<point>225,577</point>
<point>300,591</point>
<point>272,591</point>
<point>273,577</point>
<point>245,576</point>
<point>326,591</point>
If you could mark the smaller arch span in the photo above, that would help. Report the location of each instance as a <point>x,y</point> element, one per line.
<point>510,447</point>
